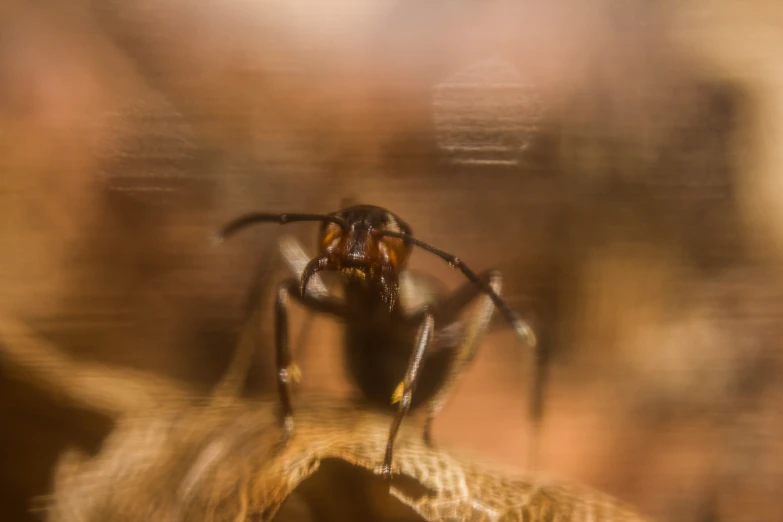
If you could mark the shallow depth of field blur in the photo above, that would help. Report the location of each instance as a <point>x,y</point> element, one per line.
<point>621,163</point>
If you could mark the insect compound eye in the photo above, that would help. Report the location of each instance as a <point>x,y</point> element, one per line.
<point>331,234</point>
<point>397,249</point>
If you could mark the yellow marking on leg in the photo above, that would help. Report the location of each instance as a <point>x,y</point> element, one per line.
<point>294,373</point>
<point>398,391</point>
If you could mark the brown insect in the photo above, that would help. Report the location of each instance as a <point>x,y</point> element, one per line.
<point>407,358</point>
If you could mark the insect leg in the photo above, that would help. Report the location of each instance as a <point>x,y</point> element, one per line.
<point>479,320</point>
<point>478,323</point>
<point>404,393</point>
<point>296,258</point>
<point>287,370</point>
<point>230,385</point>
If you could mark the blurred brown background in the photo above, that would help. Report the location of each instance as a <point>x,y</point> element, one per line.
<point>619,161</point>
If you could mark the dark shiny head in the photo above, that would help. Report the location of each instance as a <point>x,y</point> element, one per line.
<point>354,246</point>
<point>357,244</point>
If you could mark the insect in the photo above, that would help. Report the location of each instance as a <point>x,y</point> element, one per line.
<point>398,358</point>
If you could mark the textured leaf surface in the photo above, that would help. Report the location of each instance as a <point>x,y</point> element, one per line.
<point>226,463</point>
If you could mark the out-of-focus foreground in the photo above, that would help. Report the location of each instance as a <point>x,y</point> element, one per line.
<point>618,161</point>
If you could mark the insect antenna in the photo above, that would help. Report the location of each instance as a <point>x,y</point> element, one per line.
<point>247,220</point>
<point>522,329</point>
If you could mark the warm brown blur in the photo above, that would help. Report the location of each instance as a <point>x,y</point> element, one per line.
<point>620,163</point>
